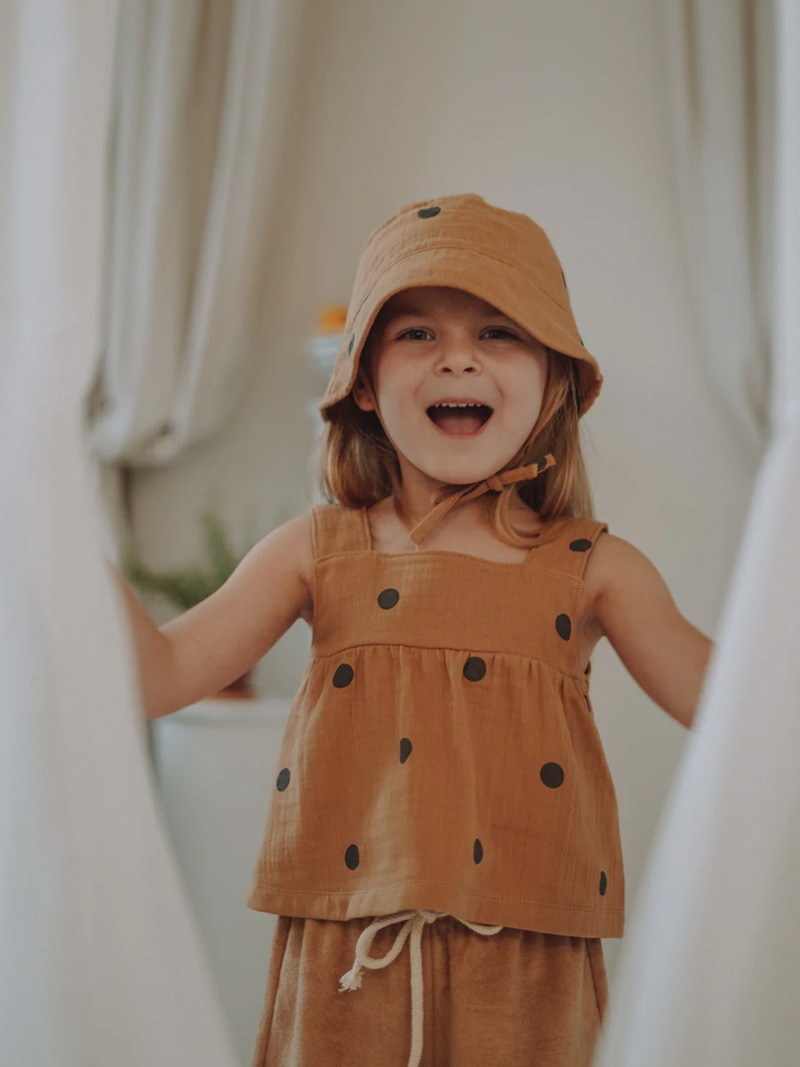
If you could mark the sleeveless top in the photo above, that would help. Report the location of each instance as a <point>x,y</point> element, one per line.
<point>441,752</point>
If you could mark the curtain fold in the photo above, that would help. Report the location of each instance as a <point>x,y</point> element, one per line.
<point>720,69</point>
<point>708,969</point>
<point>200,107</point>
<point>100,960</point>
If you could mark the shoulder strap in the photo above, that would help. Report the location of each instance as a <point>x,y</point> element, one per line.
<point>570,550</point>
<point>336,528</point>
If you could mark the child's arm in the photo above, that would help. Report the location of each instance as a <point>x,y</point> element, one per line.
<point>661,649</point>
<point>215,642</point>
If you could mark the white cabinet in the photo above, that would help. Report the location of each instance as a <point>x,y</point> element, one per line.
<point>216,764</point>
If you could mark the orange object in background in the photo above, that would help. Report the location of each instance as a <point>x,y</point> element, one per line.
<point>332,319</point>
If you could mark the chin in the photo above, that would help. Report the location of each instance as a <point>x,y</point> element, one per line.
<point>464,473</point>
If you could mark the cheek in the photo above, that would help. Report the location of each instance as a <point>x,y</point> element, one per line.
<point>525,376</point>
<point>522,389</point>
<point>396,384</point>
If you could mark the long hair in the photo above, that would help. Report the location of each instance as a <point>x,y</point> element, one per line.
<point>358,466</point>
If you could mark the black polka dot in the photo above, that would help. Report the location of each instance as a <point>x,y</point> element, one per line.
<point>603,883</point>
<point>351,857</point>
<point>552,774</point>
<point>428,212</point>
<point>388,598</point>
<point>564,626</point>
<point>477,851</point>
<point>541,464</point>
<point>352,342</point>
<point>343,675</point>
<point>581,545</point>
<point>474,668</point>
<point>405,749</point>
<point>283,779</point>
<point>588,705</point>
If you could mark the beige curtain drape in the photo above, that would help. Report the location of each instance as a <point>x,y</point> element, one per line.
<point>720,63</point>
<point>708,969</point>
<point>100,961</point>
<point>200,105</point>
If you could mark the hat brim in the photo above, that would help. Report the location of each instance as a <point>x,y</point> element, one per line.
<point>500,284</point>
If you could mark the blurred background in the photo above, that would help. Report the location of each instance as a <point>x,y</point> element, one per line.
<point>253,146</point>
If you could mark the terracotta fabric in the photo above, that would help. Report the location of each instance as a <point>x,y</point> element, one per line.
<point>501,256</point>
<point>516,999</point>
<point>441,752</point>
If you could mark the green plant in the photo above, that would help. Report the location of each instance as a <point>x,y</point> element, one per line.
<point>186,587</point>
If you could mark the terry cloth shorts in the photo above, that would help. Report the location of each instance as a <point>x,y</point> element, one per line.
<point>454,998</point>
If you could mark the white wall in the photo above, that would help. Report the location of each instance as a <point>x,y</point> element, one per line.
<point>556,108</point>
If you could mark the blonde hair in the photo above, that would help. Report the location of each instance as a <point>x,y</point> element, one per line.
<point>358,465</point>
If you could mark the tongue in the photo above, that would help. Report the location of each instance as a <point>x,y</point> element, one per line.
<point>457,420</point>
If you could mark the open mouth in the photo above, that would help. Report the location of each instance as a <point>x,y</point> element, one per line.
<point>459,420</point>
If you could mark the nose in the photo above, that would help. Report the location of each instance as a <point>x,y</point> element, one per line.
<point>457,356</point>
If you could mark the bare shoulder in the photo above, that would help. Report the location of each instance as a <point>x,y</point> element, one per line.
<point>287,549</point>
<point>298,531</point>
<point>635,610</point>
<point>609,554</point>
<point>616,568</point>
<point>296,537</point>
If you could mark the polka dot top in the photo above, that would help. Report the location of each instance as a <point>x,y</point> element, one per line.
<point>441,752</point>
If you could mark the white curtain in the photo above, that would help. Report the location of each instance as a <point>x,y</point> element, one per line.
<point>708,972</point>
<point>200,100</point>
<point>100,961</point>
<point>720,59</point>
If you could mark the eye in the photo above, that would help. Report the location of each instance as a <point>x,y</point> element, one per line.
<point>491,329</point>
<point>500,329</point>
<point>415,329</point>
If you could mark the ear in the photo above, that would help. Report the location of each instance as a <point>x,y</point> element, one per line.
<point>361,399</point>
<point>362,392</point>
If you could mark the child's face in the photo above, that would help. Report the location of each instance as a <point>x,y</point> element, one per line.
<point>431,343</point>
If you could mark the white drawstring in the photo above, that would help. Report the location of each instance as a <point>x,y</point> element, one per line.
<point>414,923</point>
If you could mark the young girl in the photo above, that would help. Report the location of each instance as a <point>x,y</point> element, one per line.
<point>441,778</point>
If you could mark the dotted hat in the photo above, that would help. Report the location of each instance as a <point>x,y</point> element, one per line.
<point>500,256</point>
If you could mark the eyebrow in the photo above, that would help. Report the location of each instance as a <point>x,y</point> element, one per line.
<point>413,311</point>
<point>398,313</point>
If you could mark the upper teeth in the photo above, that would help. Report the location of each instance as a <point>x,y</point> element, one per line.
<point>447,404</point>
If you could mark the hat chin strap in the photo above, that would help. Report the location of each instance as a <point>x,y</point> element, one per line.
<point>495,482</point>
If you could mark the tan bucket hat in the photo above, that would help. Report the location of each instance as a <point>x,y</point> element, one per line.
<point>500,256</point>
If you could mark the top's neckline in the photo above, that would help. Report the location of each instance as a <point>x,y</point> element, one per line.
<point>556,529</point>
